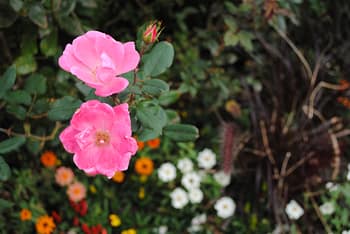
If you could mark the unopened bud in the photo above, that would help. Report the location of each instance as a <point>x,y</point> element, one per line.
<point>152,32</point>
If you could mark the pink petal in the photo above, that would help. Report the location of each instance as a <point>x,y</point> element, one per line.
<point>113,49</point>
<point>67,59</point>
<point>67,137</point>
<point>93,114</point>
<point>85,75</point>
<point>122,127</point>
<point>111,86</point>
<point>86,159</point>
<point>130,60</point>
<point>84,51</point>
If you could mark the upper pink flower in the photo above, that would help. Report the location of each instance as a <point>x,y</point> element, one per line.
<point>99,60</point>
<point>100,138</point>
<point>64,176</point>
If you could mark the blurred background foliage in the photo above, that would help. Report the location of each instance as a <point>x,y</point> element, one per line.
<point>265,81</point>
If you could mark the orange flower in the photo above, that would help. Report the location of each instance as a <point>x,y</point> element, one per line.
<point>48,159</point>
<point>140,145</point>
<point>118,177</point>
<point>144,166</point>
<point>25,214</point>
<point>64,176</point>
<point>76,192</point>
<point>45,225</point>
<point>154,144</point>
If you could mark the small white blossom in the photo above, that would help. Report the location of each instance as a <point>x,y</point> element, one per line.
<point>348,175</point>
<point>294,210</point>
<point>349,167</point>
<point>167,172</point>
<point>191,180</point>
<point>179,198</point>
<point>72,231</point>
<point>222,178</point>
<point>195,195</point>
<point>185,165</point>
<point>196,223</point>
<point>331,186</point>
<point>327,208</point>
<point>345,232</point>
<point>225,207</point>
<point>194,228</point>
<point>206,159</point>
<point>161,230</point>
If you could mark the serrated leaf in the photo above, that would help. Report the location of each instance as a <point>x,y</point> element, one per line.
<point>7,80</point>
<point>18,97</point>
<point>63,109</point>
<point>35,84</point>
<point>5,171</point>
<point>181,132</point>
<point>11,144</point>
<point>231,23</point>
<point>37,14</point>
<point>159,59</point>
<point>155,86</point>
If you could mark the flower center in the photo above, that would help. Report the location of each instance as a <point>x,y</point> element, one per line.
<point>102,138</point>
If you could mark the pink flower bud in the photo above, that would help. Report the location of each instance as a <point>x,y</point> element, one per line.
<point>152,32</point>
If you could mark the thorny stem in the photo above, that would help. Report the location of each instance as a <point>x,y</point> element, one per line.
<point>52,135</point>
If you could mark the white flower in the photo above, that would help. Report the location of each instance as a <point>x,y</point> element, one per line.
<point>349,167</point>
<point>194,228</point>
<point>222,178</point>
<point>327,208</point>
<point>179,198</point>
<point>185,165</point>
<point>161,230</point>
<point>191,180</point>
<point>206,159</point>
<point>225,207</point>
<point>331,186</point>
<point>199,219</point>
<point>195,195</point>
<point>167,172</point>
<point>71,231</point>
<point>348,175</point>
<point>294,210</point>
<point>345,232</point>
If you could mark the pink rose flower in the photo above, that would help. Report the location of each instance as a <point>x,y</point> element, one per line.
<point>64,176</point>
<point>99,60</point>
<point>76,192</point>
<point>100,138</point>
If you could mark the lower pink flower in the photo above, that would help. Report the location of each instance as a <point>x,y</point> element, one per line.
<point>76,192</point>
<point>100,138</point>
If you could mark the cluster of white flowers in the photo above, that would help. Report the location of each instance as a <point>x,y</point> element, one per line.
<point>225,207</point>
<point>294,210</point>
<point>196,223</point>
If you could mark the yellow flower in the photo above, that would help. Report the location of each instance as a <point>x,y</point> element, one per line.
<point>129,231</point>
<point>92,189</point>
<point>114,220</point>
<point>142,193</point>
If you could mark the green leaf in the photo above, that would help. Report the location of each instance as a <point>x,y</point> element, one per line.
<point>4,204</point>
<point>155,86</point>
<point>33,146</point>
<point>168,98</point>
<point>37,14</point>
<point>29,44</point>
<point>231,23</point>
<point>25,64</point>
<point>159,59</point>
<point>11,144</point>
<point>71,24</point>
<point>63,108</point>
<point>153,119</point>
<point>245,38</point>
<point>35,84</point>
<point>181,132</point>
<point>7,15</point>
<point>18,97</point>
<point>5,171</point>
<point>64,7</point>
<point>17,110</point>
<point>7,80</point>
<point>231,38</point>
<point>148,134</point>
<point>16,5</point>
<point>48,44</point>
